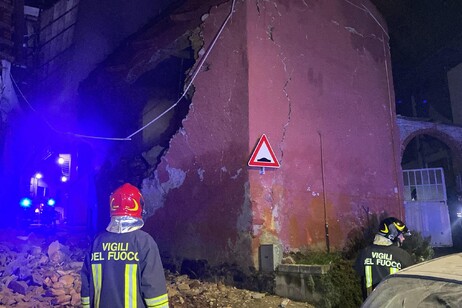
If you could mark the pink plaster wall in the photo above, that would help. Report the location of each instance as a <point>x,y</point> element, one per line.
<point>292,70</point>
<point>206,215</point>
<point>321,68</point>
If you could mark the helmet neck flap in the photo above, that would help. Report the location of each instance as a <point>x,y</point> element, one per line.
<point>124,224</point>
<point>382,240</point>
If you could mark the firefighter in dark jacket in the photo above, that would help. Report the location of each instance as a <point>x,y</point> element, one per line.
<point>384,256</point>
<point>123,267</point>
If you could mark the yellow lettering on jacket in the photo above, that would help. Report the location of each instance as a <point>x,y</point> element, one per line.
<point>115,246</point>
<point>122,256</point>
<point>97,256</point>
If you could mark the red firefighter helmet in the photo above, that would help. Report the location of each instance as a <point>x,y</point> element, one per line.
<point>126,201</point>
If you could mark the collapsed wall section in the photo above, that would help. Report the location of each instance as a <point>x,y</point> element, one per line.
<point>205,211</point>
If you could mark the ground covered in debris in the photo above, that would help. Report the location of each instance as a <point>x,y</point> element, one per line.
<point>41,269</point>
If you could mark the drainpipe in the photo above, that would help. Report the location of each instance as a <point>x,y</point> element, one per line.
<point>326,222</point>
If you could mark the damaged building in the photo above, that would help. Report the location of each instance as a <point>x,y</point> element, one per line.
<point>176,99</point>
<point>315,78</point>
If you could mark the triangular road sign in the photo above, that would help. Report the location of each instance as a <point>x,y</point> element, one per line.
<point>263,155</point>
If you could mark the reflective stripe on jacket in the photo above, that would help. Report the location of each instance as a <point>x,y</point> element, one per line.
<point>123,270</point>
<point>375,262</point>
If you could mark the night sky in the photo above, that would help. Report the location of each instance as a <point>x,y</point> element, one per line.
<point>426,42</point>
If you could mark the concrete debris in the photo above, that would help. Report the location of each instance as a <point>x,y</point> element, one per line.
<point>284,303</point>
<point>40,273</point>
<point>29,277</point>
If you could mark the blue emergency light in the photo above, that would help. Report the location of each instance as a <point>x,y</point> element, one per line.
<point>25,202</point>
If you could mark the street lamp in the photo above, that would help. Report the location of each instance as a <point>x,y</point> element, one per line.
<point>37,177</point>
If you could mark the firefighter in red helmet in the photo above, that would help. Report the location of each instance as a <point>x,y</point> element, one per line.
<point>123,267</point>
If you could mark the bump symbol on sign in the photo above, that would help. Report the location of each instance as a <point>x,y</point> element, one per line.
<point>263,155</point>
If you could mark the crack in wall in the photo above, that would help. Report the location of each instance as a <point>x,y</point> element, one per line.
<point>223,169</point>
<point>286,94</point>
<point>257,3</point>
<point>269,31</point>
<point>277,8</point>
<point>289,115</point>
<point>233,177</point>
<point>238,172</point>
<point>354,31</point>
<point>270,34</point>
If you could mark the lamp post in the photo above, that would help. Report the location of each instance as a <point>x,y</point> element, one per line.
<point>37,178</point>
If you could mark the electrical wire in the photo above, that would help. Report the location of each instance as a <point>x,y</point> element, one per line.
<point>365,9</point>
<point>197,70</point>
<point>128,138</point>
<point>48,123</point>
<point>30,105</point>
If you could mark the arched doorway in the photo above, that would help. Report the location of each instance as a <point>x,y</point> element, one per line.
<point>427,151</point>
<point>432,187</point>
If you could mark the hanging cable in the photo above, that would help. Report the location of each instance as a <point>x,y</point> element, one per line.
<point>365,9</point>
<point>48,123</point>
<point>196,72</point>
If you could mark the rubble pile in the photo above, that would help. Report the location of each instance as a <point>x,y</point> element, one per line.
<point>186,292</point>
<point>38,272</point>
<point>32,277</point>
